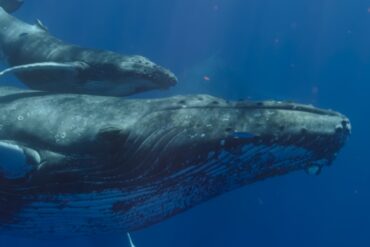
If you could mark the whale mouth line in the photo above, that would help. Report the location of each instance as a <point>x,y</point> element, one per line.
<point>257,106</point>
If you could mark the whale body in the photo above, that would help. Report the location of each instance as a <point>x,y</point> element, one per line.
<point>11,5</point>
<point>46,63</point>
<point>87,164</point>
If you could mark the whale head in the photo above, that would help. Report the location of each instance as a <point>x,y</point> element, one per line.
<point>113,74</point>
<point>252,139</point>
<point>142,69</point>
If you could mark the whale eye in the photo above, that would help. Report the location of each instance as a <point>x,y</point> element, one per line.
<point>23,35</point>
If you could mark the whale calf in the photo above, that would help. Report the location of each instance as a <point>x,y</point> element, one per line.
<point>85,164</point>
<point>46,63</point>
<point>11,5</point>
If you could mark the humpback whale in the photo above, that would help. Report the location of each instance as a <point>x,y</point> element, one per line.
<point>46,63</point>
<point>85,164</point>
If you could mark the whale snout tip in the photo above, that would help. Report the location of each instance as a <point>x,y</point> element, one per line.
<point>163,77</point>
<point>344,128</point>
<point>346,124</point>
<point>171,78</point>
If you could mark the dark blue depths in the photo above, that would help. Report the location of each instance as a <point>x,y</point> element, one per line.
<point>315,51</point>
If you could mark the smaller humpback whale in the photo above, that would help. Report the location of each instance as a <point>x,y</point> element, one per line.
<point>11,5</point>
<point>46,63</point>
<point>87,164</point>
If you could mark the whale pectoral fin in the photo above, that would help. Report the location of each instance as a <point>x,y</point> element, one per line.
<point>130,240</point>
<point>17,161</point>
<point>69,67</point>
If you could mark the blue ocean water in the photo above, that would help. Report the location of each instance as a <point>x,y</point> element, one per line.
<point>315,52</point>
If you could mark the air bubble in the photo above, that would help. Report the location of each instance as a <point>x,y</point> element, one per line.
<point>313,170</point>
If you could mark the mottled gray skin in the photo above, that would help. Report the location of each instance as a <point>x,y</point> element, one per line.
<point>94,71</point>
<point>104,164</point>
<point>11,5</point>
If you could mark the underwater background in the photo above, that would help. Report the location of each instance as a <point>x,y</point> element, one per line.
<point>310,51</point>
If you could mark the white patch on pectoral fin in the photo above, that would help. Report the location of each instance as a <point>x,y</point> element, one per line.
<point>130,240</point>
<point>16,161</point>
<point>70,67</point>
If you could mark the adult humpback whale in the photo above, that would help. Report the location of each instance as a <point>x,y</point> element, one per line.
<point>80,170</point>
<point>46,63</point>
